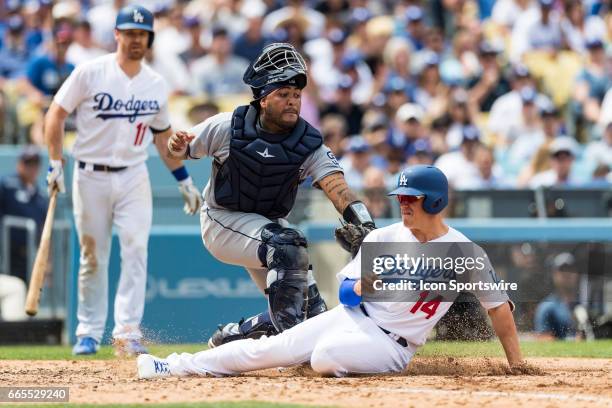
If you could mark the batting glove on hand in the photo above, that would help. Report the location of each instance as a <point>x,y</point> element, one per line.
<point>191,196</point>
<point>55,177</point>
<point>178,143</point>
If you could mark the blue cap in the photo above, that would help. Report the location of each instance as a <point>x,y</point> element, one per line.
<point>594,43</point>
<point>421,146</point>
<point>336,36</point>
<point>470,133</point>
<point>191,21</point>
<point>350,60</point>
<point>357,144</point>
<point>546,3</point>
<point>520,71</point>
<point>528,94</point>
<point>15,24</point>
<point>395,84</point>
<point>432,59</point>
<point>346,82</point>
<point>414,13</point>
<point>360,15</point>
<point>424,181</point>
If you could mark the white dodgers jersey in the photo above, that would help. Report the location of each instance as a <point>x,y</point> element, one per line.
<point>114,113</point>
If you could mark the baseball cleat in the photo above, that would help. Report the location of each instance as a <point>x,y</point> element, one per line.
<point>129,347</point>
<point>152,367</point>
<point>85,346</point>
<point>251,328</point>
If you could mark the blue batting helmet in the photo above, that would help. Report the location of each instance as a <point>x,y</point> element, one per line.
<point>426,181</point>
<point>134,17</point>
<point>279,64</point>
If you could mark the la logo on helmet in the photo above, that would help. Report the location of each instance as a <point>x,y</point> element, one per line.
<point>137,17</point>
<point>403,180</point>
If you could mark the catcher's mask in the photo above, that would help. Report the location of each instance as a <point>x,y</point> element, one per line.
<point>279,65</point>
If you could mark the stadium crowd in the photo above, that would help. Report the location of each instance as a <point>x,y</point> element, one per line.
<point>498,94</point>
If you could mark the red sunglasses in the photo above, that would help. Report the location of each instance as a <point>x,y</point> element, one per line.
<point>406,199</point>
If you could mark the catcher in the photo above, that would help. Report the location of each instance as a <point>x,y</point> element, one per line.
<point>261,153</point>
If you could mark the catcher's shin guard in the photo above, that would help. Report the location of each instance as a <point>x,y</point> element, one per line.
<point>283,251</point>
<point>315,305</point>
<point>251,328</point>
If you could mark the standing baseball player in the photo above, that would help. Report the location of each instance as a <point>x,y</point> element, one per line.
<point>358,336</point>
<point>261,153</point>
<point>121,107</point>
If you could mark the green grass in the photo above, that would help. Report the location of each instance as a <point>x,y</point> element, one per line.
<point>595,349</point>
<point>241,404</point>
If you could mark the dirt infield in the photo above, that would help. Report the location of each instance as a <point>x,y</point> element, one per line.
<point>428,381</point>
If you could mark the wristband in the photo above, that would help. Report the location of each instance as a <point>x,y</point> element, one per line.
<point>357,213</point>
<point>347,295</point>
<point>180,174</point>
<point>55,163</point>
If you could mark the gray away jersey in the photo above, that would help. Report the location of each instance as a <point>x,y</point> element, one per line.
<point>212,138</point>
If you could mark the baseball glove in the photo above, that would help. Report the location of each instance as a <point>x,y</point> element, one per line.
<point>350,236</point>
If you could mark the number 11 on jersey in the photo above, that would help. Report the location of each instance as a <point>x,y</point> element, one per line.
<point>141,129</point>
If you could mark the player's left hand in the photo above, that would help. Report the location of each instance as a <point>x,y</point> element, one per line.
<point>350,236</point>
<point>191,196</point>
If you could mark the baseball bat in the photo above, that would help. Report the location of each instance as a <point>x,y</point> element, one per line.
<point>37,278</point>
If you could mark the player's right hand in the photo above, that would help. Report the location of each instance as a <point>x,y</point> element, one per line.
<point>55,177</point>
<point>178,142</point>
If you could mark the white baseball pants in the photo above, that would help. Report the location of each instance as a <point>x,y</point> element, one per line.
<point>339,342</point>
<point>102,200</point>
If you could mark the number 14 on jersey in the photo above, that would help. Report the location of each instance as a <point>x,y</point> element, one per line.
<point>429,307</point>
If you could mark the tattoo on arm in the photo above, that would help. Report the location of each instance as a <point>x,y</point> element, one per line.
<point>337,191</point>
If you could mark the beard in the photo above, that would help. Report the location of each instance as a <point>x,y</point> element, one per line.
<point>276,118</point>
<point>136,53</point>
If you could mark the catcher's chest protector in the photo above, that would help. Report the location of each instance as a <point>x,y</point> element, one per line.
<point>261,174</point>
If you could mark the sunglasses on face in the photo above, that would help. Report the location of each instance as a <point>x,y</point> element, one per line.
<point>404,199</point>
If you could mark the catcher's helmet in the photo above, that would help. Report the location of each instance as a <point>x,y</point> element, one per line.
<point>426,181</point>
<point>279,64</point>
<point>134,17</point>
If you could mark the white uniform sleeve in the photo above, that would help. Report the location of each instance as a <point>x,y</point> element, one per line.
<point>161,121</point>
<point>489,299</point>
<point>319,164</point>
<point>212,137</point>
<point>73,91</point>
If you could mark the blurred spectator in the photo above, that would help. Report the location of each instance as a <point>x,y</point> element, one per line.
<point>219,72</point>
<point>12,298</point>
<point>545,32</point>
<point>527,135</point>
<point>592,83</point>
<point>21,197</point>
<point>431,93</point>
<point>102,19</point>
<point>490,83</point>
<point>397,93</point>
<point>195,49</point>
<point>14,53</point>
<point>375,193</point>
<point>422,153</point>
<point>576,27</point>
<point>171,68</point>
<point>553,317</point>
<point>375,133</point>
<point>314,21</point>
<point>199,112</point>
<point>415,28</point>
<point>462,63</point>
<point>458,116</point>
<point>171,38</point>
<point>488,177</point>
<point>82,48</point>
<point>47,72</point>
<point>333,129</point>
<point>250,43</point>
<point>506,111</point>
<point>343,105</point>
<point>508,12</point>
<point>602,177</point>
<point>562,154</point>
<point>459,165</point>
<point>408,127</point>
<point>355,162</point>
<point>600,152</point>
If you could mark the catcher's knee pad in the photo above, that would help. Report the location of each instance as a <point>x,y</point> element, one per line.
<point>283,251</point>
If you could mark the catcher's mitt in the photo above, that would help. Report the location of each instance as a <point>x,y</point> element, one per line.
<point>350,236</point>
